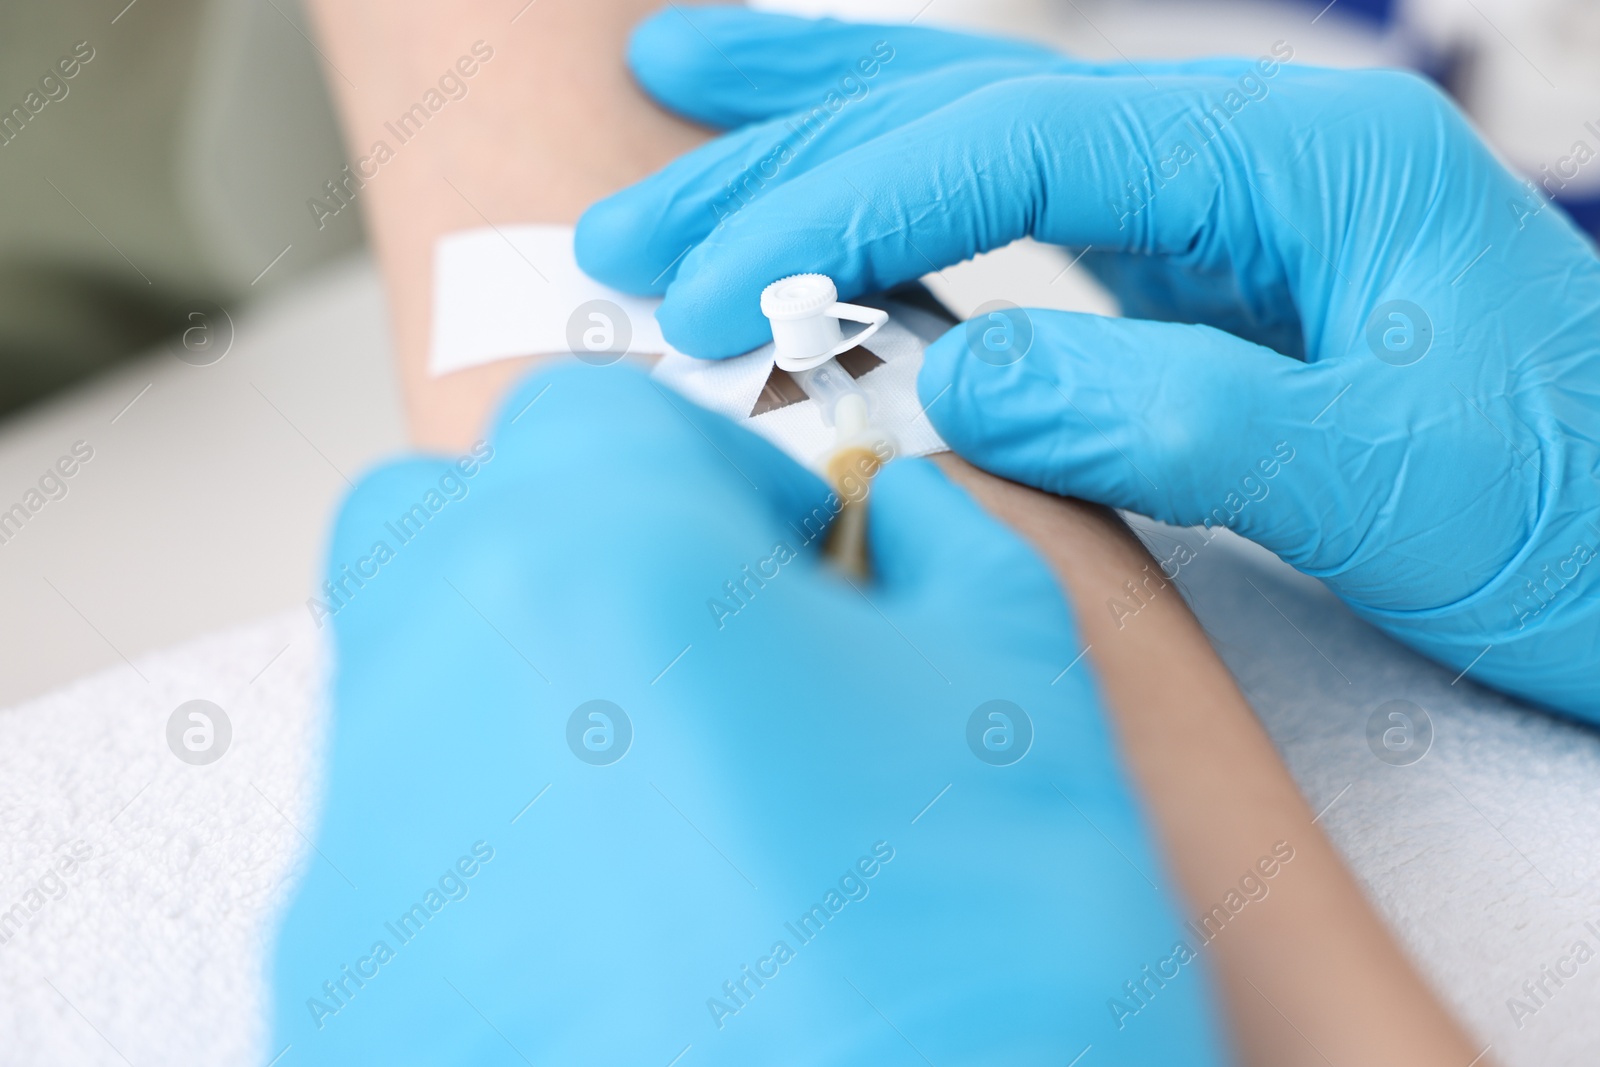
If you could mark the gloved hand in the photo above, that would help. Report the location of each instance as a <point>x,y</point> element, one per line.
<point>1431,450</point>
<point>621,772</point>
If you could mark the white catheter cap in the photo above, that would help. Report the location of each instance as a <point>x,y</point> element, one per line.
<point>804,311</point>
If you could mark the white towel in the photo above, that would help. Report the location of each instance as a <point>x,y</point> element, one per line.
<point>151,951</point>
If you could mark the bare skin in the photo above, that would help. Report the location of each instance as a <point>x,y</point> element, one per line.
<point>551,124</point>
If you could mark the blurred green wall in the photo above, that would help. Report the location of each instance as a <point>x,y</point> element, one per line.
<point>171,168</point>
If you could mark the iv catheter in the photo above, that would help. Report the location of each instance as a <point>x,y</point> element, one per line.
<point>805,313</point>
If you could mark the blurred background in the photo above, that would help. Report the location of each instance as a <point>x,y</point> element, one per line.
<point>172,295</point>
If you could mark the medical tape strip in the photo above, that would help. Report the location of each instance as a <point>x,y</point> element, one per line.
<point>510,291</point>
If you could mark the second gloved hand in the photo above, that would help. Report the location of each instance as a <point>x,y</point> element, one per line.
<point>620,772</point>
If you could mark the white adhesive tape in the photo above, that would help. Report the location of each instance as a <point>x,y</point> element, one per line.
<point>506,291</point>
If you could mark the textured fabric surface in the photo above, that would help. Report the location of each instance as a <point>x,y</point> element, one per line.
<point>150,951</point>
<point>1481,854</point>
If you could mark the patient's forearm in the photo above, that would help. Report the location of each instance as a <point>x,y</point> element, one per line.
<point>549,124</point>
<point>1310,975</point>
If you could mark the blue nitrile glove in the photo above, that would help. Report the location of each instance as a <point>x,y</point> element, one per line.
<point>619,768</point>
<point>1431,453</point>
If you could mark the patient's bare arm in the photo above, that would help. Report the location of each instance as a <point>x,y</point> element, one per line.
<point>552,123</point>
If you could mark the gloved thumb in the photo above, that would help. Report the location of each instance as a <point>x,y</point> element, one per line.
<point>1186,424</point>
<point>937,555</point>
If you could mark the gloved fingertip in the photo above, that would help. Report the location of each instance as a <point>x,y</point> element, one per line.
<point>706,320</point>
<point>926,529</point>
<point>909,479</point>
<point>658,52</point>
<point>674,56</point>
<point>655,36</point>
<point>572,406</point>
<point>941,389</point>
<point>939,364</point>
<point>576,424</point>
<point>903,502</point>
<point>666,44</point>
<point>382,493</point>
<point>606,244</point>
